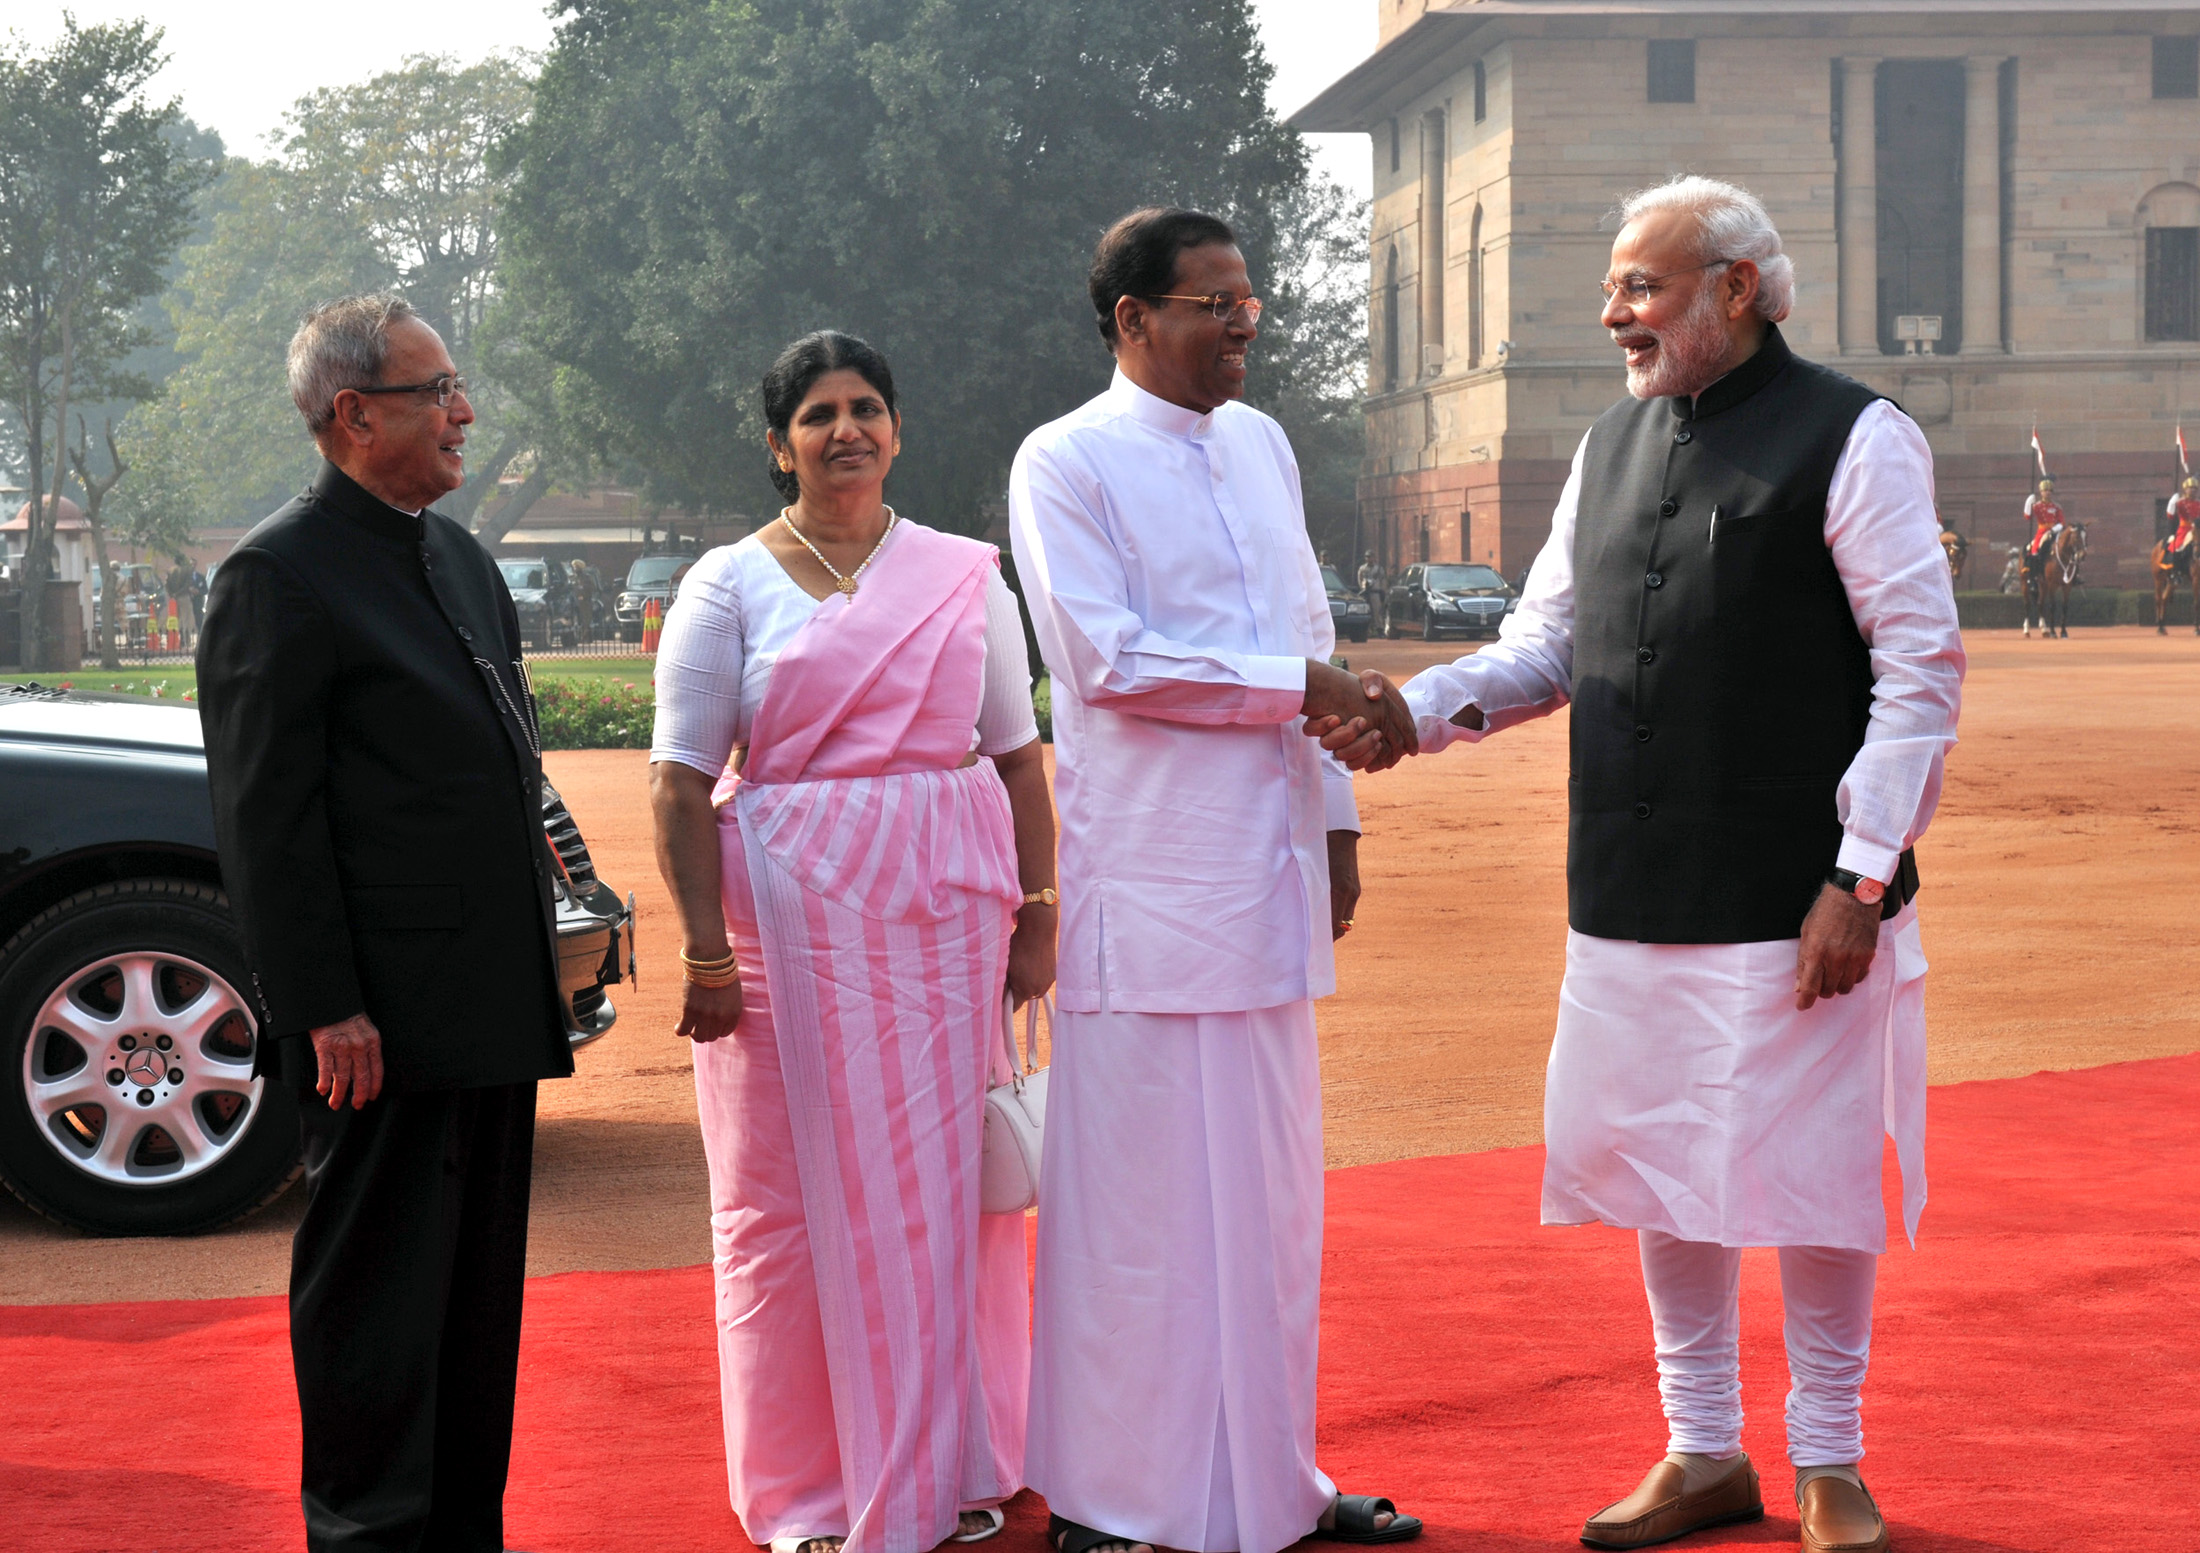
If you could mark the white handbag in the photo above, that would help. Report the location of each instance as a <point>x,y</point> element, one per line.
<point>1015,1118</point>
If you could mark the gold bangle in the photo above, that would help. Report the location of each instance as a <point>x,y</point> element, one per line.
<point>706,966</point>
<point>725,978</point>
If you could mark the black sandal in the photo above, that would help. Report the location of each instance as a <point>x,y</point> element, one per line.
<point>1355,1521</point>
<point>1066,1536</point>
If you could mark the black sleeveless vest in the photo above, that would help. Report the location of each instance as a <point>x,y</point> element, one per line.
<point>1720,686</point>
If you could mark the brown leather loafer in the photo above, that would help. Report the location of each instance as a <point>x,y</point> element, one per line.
<point>1658,1511</point>
<point>1839,1517</point>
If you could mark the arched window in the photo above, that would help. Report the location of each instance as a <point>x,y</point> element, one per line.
<point>1389,376</point>
<point>2169,219</point>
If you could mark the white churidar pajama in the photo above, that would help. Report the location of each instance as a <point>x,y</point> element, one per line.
<point>1687,1097</point>
<point>1164,558</point>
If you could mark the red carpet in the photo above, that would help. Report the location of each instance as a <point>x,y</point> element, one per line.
<point>2033,1379</point>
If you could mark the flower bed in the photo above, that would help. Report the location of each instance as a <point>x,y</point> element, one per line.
<point>582,714</point>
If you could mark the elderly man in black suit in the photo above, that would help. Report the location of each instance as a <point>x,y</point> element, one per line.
<point>374,757</point>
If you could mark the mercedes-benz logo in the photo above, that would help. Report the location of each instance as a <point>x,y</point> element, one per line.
<point>145,1067</point>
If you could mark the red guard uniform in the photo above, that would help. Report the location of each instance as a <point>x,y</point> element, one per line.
<point>2047,519</point>
<point>2184,512</point>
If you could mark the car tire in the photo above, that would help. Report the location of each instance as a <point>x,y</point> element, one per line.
<point>1428,628</point>
<point>137,956</point>
<point>1357,633</point>
<point>1390,626</point>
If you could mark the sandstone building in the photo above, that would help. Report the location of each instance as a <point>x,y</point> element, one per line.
<point>2020,176</point>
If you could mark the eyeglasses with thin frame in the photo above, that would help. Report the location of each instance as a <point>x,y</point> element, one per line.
<point>443,387</point>
<point>1221,304</point>
<point>1639,288</point>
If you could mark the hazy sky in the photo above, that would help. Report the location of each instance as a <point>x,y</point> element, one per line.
<point>238,64</point>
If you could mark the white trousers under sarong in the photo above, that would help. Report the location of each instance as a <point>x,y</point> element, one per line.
<point>1695,1314</point>
<point>1178,1294</point>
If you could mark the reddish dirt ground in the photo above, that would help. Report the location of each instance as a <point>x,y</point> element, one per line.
<point>2059,879</point>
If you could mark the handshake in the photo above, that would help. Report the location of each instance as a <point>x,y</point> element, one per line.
<point>1360,718</point>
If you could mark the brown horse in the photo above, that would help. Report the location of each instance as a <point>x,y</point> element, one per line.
<point>2166,571</point>
<point>1957,547</point>
<point>2047,591</point>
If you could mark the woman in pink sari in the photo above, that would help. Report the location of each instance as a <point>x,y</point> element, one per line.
<point>853,820</point>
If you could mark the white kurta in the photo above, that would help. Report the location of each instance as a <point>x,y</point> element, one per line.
<point>1176,1311</point>
<point>1686,1093</point>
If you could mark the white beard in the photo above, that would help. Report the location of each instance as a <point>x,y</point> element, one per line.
<point>1690,351</point>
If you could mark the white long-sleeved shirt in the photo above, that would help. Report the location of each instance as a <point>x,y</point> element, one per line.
<point>1885,540</point>
<point>1176,599</point>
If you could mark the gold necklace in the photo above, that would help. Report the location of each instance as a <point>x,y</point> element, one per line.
<point>847,584</point>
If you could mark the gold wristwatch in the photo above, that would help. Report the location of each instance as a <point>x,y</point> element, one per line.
<point>1045,897</point>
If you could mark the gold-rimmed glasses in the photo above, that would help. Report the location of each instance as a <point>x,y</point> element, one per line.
<point>1223,305</point>
<point>1639,288</point>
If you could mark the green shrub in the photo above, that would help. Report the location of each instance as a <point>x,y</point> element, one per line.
<point>1042,707</point>
<point>594,714</point>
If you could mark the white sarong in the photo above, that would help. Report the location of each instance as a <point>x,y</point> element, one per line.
<point>1178,1299</point>
<point>1687,1094</point>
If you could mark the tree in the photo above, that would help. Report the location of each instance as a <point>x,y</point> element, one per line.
<point>94,198</point>
<point>380,186</point>
<point>700,184</point>
<point>95,488</point>
<point>1311,366</point>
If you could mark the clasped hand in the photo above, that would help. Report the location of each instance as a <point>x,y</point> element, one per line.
<point>1360,718</point>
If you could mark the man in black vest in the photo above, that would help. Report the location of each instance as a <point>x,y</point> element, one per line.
<point>1745,600</point>
<point>373,752</point>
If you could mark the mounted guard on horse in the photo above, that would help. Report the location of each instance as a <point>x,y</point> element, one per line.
<point>2051,558</point>
<point>2172,558</point>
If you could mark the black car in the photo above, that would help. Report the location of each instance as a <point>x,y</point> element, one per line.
<point>127,1101</point>
<point>1348,612</point>
<point>543,596</point>
<point>650,577</point>
<point>1434,597</point>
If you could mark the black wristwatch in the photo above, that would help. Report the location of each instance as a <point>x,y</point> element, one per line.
<point>1868,892</point>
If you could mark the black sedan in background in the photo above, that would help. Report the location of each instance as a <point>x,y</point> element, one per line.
<point>1439,597</point>
<point>1348,612</point>
<point>542,595</point>
<point>127,1100</point>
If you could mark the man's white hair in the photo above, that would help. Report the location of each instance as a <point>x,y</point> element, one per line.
<point>341,344</point>
<point>1730,224</point>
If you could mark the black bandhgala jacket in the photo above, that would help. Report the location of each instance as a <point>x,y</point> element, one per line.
<point>375,763</point>
<point>1721,687</point>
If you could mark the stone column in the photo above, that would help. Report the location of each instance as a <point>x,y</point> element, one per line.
<point>1982,205</point>
<point>1435,152</point>
<point>1859,236</point>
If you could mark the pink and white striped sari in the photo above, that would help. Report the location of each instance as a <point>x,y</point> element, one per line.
<point>873,1327</point>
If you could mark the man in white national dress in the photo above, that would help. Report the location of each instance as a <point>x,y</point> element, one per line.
<point>1745,600</point>
<point>1207,860</point>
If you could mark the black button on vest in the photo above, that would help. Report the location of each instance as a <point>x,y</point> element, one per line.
<point>1763,686</point>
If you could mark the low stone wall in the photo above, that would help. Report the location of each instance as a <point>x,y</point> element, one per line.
<point>2088,607</point>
